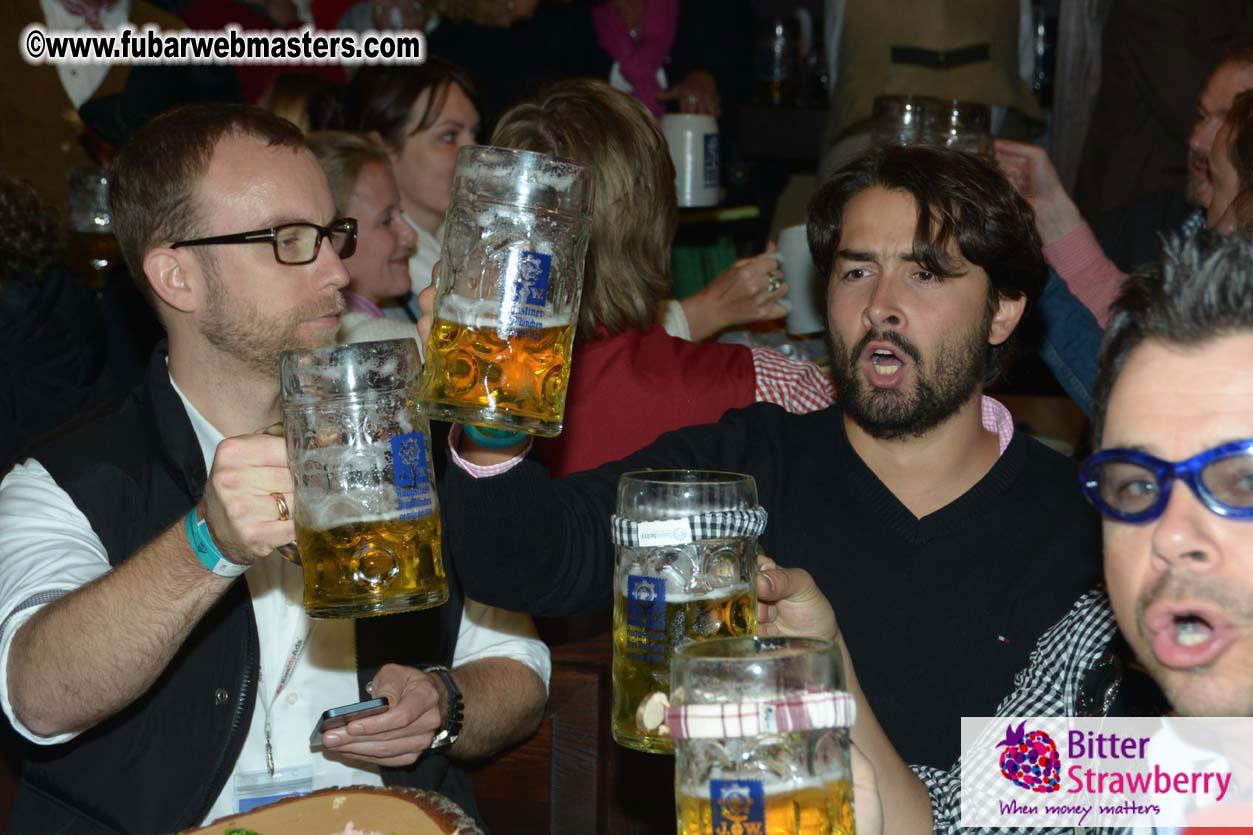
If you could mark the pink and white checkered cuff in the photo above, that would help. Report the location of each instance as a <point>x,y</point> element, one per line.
<point>797,712</point>
<point>478,470</point>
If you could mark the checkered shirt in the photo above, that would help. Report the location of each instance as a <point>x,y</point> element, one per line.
<point>1049,686</point>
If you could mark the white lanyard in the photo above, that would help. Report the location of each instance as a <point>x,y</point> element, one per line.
<point>293,658</point>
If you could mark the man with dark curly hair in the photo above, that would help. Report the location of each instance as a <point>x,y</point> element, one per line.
<point>946,541</point>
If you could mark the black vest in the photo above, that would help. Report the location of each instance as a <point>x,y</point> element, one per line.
<point>159,764</point>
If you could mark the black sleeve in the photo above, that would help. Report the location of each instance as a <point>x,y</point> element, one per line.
<point>524,541</point>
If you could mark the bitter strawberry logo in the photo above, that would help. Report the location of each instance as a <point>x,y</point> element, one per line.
<point>1030,760</point>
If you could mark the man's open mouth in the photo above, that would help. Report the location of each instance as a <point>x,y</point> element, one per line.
<point>1187,635</point>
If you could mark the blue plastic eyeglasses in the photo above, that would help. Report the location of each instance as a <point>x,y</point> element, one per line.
<point>1133,486</point>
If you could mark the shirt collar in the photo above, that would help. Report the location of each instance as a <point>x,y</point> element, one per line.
<point>206,434</point>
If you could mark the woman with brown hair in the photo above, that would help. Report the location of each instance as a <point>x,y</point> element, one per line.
<point>421,116</point>
<point>631,380</point>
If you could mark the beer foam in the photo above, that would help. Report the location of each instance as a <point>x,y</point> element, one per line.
<point>485,313</point>
<point>358,507</point>
<point>675,594</point>
<point>771,787</point>
<point>559,175</point>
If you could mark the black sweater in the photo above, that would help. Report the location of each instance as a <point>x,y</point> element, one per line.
<point>939,613</point>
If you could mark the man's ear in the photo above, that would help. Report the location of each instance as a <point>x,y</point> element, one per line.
<point>1008,312</point>
<point>175,277</point>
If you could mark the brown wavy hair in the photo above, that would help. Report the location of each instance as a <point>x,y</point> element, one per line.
<point>634,211</point>
<point>960,197</point>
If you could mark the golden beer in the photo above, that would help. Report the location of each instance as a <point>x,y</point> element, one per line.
<point>805,810</point>
<point>516,380</point>
<point>641,658</point>
<point>372,567</point>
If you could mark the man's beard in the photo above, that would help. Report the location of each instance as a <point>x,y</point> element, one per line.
<point>257,340</point>
<point>940,387</point>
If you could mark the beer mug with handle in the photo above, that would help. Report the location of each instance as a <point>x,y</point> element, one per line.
<point>686,571</point>
<point>761,737</point>
<point>507,292</point>
<point>366,514</point>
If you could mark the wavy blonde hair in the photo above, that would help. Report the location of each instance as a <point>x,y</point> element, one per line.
<point>633,201</point>
<point>342,155</point>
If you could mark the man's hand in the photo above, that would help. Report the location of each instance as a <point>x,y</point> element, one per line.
<point>401,735</point>
<point>1029,169</point>
<point>239,505</point>
<point>789,603</point>
<point>740,294</point>
<point>697,93</point>
<point>426,304</point>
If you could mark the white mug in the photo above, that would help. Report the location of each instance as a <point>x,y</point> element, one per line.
<point>693,141</point>
<point>804,309</point>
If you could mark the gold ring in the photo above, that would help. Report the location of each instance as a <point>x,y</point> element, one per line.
<point>283,514</point>
<point>774,284</point>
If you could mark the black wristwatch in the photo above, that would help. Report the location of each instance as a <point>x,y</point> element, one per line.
<point>451,729</point>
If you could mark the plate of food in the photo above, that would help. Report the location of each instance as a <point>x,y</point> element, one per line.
<point>355,810</point>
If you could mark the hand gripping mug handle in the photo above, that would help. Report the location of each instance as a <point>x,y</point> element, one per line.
<point>290,551</point>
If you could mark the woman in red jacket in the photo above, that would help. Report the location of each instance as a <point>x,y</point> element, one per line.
<point>630,380</point>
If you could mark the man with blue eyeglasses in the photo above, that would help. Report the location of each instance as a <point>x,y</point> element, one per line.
<point>1172,629</point>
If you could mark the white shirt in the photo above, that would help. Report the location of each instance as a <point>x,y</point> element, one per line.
<point>47,549</point>
<point>82,80</point>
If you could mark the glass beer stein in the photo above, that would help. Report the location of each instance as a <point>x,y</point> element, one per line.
<point>761,738</point>
<point>507,293</point>
<point>366,514</point>
<point>686,570</point>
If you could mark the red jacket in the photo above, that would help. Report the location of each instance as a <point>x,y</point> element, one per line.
<point>628,389</point>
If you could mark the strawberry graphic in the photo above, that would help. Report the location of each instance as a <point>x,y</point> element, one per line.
<point>1030,760</point>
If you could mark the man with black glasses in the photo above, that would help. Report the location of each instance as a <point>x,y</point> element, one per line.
<point>1173,477</point>
<point>157,691</point>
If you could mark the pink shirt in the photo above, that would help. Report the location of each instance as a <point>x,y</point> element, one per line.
<point>1091,276</point>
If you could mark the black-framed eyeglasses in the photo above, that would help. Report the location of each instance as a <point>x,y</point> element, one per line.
<point>1133,486</point>
<point>294,243</point>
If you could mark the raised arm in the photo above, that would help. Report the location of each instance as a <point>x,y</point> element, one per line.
<point>1069,245</point>
<point>90,653</point>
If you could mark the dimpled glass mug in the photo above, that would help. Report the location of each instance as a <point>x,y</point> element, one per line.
<point>686,570</point>
<point>761,738</point>
<point>507,292</point>
<point>366,514</point>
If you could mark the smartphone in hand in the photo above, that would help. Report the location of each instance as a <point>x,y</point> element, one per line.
<point>338,717</point>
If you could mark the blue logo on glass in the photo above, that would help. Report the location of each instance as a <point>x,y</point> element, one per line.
<point>410,477</point>
<point>533,272</point>
<point>646,618</point>
<point>737,807</point>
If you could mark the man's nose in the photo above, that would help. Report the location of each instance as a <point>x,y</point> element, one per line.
<point>1182,536</point>
<point>883,308</point>
<point>1201,140</point>
<point>331,272</point>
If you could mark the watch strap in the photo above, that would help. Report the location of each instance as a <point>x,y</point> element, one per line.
<point>451,729</point>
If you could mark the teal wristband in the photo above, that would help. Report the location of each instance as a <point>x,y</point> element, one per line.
<point>493,438</point>
<point>206,551</point>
